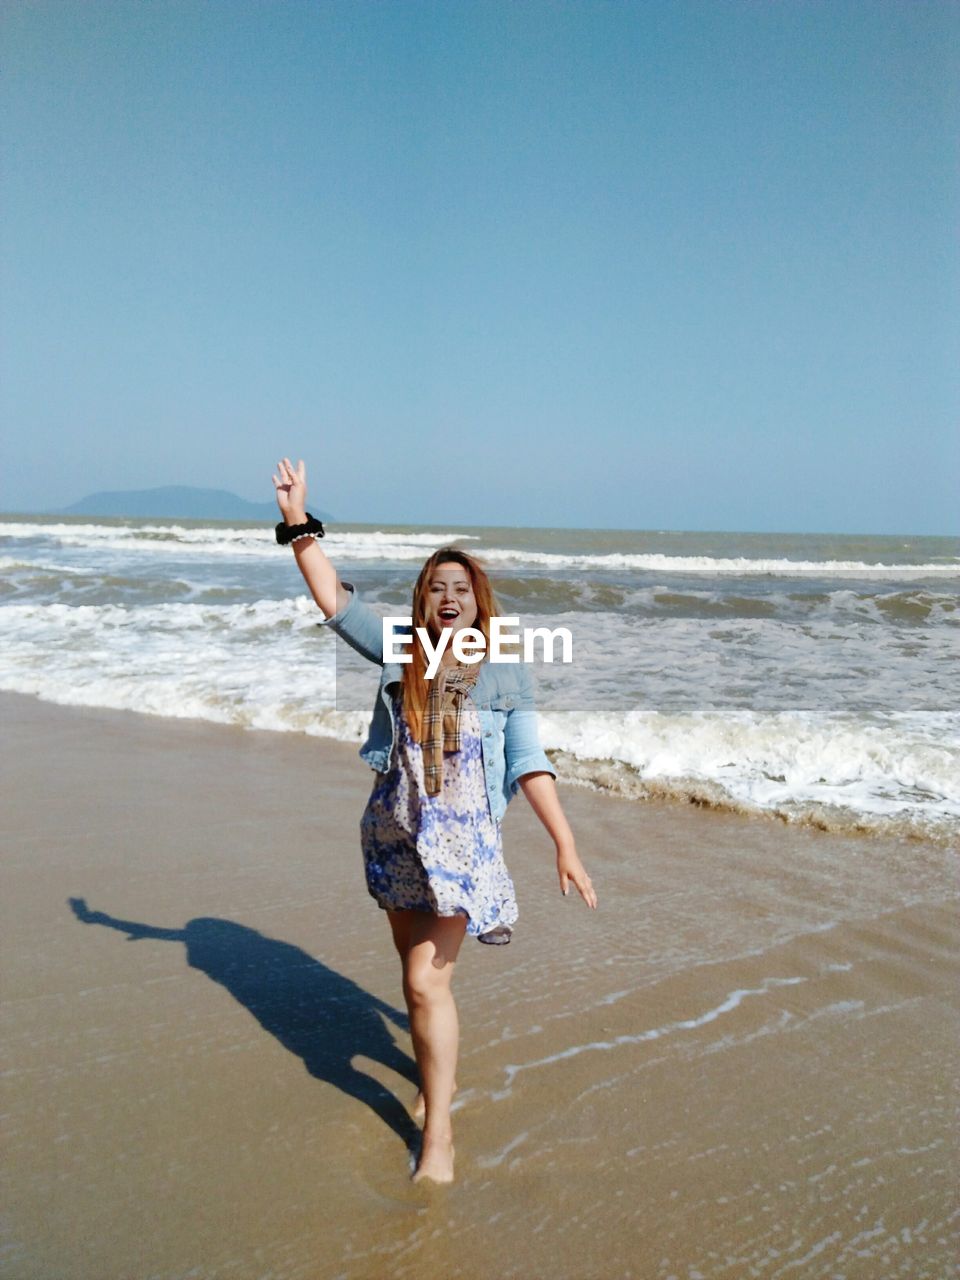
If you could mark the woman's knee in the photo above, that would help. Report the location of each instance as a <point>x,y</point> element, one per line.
<point>423,982</point>
<point>431,956</point>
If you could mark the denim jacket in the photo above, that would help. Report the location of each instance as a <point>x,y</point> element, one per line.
<point>503,695</point>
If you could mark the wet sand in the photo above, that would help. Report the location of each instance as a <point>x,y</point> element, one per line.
<point>742,1065</point>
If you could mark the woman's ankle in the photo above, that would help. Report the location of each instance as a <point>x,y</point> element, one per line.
<point>438,1127</point>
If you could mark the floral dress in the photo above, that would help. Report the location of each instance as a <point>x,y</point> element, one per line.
<point>441,853</point>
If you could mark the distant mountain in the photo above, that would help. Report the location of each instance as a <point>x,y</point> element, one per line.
<point>176,502</point>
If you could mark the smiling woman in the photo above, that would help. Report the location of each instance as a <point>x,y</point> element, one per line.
<point>450,750</point>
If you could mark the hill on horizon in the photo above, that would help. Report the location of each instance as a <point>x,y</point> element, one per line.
<point>178,502</point>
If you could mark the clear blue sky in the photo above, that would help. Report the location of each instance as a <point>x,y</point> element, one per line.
<point>684,264</point>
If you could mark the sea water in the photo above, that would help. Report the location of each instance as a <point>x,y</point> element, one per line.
<point>814,677</point>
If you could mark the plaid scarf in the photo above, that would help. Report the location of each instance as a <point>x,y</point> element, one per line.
<point>441,719</point>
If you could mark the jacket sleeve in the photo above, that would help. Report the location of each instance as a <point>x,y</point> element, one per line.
<point>524,753</point>
<point>359,625</point>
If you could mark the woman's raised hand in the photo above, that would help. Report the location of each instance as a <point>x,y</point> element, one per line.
<point>318,573</point>
<point>291,487</point>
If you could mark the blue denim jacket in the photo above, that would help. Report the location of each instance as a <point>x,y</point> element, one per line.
<point>503,695</point>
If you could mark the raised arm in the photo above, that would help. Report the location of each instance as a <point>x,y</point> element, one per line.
<point>319,574</point>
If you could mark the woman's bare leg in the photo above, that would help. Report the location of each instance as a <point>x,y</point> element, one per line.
<point>400,923</point>
<point>434,944</point>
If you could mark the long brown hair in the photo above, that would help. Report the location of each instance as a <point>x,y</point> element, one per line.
<point>415,686</point>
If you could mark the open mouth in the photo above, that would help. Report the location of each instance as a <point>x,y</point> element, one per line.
<point>448,614</point>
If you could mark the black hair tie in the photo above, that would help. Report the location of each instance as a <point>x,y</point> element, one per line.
<point>287,533</point>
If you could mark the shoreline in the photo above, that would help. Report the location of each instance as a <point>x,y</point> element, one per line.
<point>746,1053</point>
<point>618,780</point>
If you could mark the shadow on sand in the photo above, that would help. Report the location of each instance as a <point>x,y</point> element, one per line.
<point>315,1012</point>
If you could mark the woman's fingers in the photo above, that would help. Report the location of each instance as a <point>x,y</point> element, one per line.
<point>585,889</point>
<point>290,485</point>
<point>294,477</point>
<point>582,883</point>
<point>288,477</point>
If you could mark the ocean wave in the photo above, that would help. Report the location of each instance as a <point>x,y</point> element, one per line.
<point>45,583</point>
<point>897,803</point>
<point>911,607</point>
<point>228,541</point>
<point>736,565</point>
<point>835,818</point>
<point>178,701</point>
<point>173,616</point>
<point>549,595</point>
<point>705,707</point>
<point>834,773</point>
<point>679,663</point>
<point>540,594</point>
<point>266,666</point>
<point>386,545</point>
<point>232,664</point>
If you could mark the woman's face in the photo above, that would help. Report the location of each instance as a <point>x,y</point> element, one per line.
<point>450,604</point>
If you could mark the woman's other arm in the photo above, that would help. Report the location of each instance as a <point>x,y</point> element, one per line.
<point>319,574</point>
<point>541,790</point>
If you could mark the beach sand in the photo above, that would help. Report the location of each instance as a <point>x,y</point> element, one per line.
<point>743,1064</point>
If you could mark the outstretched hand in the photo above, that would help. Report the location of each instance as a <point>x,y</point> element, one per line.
<point>572,871</point>
<point>291,488</point>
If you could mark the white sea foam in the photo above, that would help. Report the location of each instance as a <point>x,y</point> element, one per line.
<point>224,541</point>
<point>791,763</point>
<point>728,1005</point>
<point>831,667</point>
<point>265,664</point>
<point>822,702</point>
<point>658,563</point>
<point>233,664</point>
<point>377,545</point>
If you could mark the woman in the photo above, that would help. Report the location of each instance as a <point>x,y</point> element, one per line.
<point>449,753</point>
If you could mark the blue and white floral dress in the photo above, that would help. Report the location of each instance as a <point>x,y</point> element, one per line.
<point>442,853</point>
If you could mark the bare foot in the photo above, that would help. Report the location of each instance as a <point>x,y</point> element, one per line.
<point>436,1159</point>
<point>419,1108</point>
